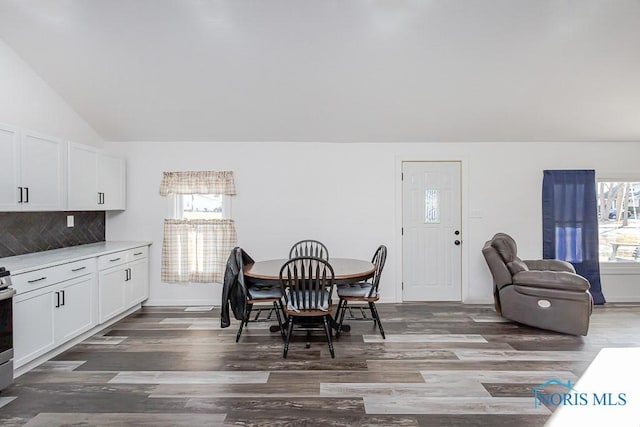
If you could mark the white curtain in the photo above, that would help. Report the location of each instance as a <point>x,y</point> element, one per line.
<point>195,251</point>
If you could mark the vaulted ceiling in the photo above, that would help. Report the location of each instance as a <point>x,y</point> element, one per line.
<point>338,70</point>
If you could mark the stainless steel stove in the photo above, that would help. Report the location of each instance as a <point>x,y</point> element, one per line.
<point>6,329</point>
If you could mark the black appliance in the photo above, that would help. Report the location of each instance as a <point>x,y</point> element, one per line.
<point>6,329</point>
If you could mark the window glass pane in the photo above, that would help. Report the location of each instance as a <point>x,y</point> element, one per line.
<point>432,206</point>
<point>202,206</point>
<point>619,221</point>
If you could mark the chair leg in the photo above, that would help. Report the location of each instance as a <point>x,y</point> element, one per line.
<point>289,333</point>
<point>376,316</point>
<point>327,331</point>
<point>308,344</point>
<point>342,307</point>
<point>242,323</point>
<point>276,308</point>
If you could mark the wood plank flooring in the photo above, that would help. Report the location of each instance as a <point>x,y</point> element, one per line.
<point>442,364</point>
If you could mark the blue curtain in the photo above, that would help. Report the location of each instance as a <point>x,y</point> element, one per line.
<point>570,223</point>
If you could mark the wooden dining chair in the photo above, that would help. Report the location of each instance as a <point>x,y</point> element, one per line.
<point>248,297</point>
<point>362,293</point>
<point>307,285</point>
<point>309,248</point>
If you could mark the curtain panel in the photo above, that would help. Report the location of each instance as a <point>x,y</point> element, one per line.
<point>195,251</point>
<point>570,223</point>
<point>197,182</point>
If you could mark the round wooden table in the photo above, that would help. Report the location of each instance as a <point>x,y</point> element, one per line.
<point>345,270</point>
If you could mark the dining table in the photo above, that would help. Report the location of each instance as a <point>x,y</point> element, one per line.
<point>345,270</point>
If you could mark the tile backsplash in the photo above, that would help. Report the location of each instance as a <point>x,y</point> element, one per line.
<point>27,232</point>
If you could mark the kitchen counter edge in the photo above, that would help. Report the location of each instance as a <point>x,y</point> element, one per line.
<point>35,261</point>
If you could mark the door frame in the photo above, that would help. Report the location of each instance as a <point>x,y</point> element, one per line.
<point>464,191</point>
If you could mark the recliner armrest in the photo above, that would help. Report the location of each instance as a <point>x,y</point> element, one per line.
<point>549,265</point>
<point>560,280</point>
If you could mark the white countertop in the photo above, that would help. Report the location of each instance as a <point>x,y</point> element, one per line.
<point>35,261</point>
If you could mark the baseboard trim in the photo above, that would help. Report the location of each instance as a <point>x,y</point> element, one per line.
<point>181,302</point>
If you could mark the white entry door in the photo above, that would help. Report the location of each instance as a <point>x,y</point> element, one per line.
<point>431,232</point>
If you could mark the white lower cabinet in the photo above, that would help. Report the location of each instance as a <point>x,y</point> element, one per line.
<point>111,284</point>
<point>123,281</point>
<point>33,328</point>
<point>56,304</point>
<point>136,288</point>
<point>74,308</point>
<point>48,317</point>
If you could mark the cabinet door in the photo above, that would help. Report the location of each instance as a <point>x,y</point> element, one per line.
<point>33,326</point>
<point>111,182</point>
<point>83,178</point>
<point>74,308</point>
<point>10,170</point>
<point>111,292</point>
<point>137,287</point>
<point>42,161</point>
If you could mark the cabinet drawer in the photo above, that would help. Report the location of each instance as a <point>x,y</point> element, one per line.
<point>36,279</point>
<point>111,260</point>
<point>78,268</point>
<point>139,253</point>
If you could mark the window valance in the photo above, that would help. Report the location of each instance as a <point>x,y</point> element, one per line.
<point>197,182</point>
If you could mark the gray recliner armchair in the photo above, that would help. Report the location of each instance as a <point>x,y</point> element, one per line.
<point>546,294</point>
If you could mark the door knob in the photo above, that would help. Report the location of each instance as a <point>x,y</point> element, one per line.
<point>457,242</point>
<point>457,232</point>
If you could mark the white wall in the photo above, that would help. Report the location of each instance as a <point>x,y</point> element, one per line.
<point>27,102</point>
<point>347,195</point>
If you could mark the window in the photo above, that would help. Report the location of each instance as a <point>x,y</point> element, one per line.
<point>619,221</point>
<point>202,206</point>
<point>199,233</point>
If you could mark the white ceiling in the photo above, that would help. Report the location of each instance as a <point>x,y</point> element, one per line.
<point>338,70</point>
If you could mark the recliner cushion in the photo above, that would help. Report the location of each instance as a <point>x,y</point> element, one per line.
<point>516,266</point>
<point>560,280</point>
<point>506,247</point>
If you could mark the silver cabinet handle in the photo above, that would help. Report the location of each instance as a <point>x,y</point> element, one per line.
<point>78,269</point>
<point>114,260</point>
<point>36,280</point>
<point>138,253</point>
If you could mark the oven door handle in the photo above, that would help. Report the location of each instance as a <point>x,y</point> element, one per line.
<point>7,294</point>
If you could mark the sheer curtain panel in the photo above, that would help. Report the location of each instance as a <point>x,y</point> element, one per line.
<point>195,251</point>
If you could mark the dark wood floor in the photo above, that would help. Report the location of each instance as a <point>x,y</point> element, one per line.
<point>442,364</point>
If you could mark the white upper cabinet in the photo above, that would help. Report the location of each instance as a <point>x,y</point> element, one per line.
<point>112,182</point>
<point>35,177</point>
<point>96,180</point>
<point>83,178</point>
<point>9,182</point>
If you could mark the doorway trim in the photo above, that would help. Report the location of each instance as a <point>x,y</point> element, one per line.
<point>464,192</point>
